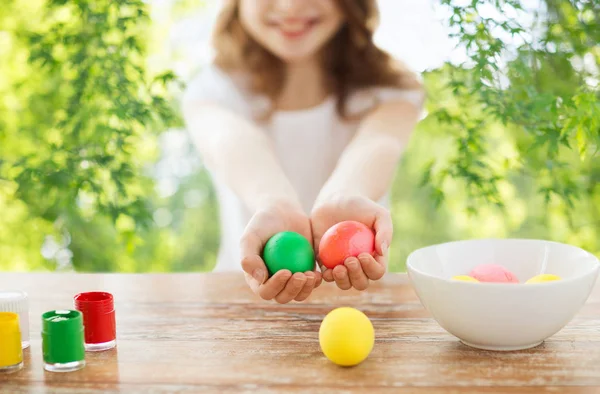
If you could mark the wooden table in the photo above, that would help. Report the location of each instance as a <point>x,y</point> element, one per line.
<point>207,333</point>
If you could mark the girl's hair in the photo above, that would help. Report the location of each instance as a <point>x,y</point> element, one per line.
<point>351,59</point>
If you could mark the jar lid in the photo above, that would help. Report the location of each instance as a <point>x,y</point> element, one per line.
<point>18,302</point>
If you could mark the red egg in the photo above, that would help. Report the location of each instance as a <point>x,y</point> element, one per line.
<point>345,239</point>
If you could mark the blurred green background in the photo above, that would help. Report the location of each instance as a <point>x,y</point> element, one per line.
<point>97,173</point>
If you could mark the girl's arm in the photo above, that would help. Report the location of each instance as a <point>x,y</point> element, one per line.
<point>367,166</point>
<point>362,176</point>
<point>239,154</point>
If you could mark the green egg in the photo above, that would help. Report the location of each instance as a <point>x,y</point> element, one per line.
<point>288,250</point>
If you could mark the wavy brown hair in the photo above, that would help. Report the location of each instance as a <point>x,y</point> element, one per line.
<point>351,59</point>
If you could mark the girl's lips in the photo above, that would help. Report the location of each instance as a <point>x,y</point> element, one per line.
<point>292,29</point>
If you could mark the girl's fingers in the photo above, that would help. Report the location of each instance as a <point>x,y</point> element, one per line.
<point>382,261</point>
<point>358,279</point>
<point>253,265</point>
<point>251,244</point>
<point>255,270</point>
<point>372,268</point>
<point>275,285</point>
<point>328,275</point>
<point>340,274</point>
<point>252,283</point>
<point>318,279</point>
<point>384,230</point>
<point>292,288</point>
<point>309,285</point>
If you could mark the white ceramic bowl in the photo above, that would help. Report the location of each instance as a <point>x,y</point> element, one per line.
<point>499,316</point>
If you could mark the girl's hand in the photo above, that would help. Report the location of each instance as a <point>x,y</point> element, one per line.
<point>355,272</point>
<point>268,220</point>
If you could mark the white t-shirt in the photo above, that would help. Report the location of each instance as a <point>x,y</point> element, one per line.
<point>308,144</point>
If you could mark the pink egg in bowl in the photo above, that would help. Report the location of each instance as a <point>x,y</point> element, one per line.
<point>493,273</point>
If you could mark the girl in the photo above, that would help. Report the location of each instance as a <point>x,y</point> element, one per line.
<point>301,121</point>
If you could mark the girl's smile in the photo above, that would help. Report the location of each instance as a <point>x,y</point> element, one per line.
<point>293,28</point>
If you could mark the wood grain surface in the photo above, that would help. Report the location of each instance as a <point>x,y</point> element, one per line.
<point>207,333</point>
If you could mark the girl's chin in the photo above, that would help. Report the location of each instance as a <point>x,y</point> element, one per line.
<point>295,56</point>
<point>296,59</point>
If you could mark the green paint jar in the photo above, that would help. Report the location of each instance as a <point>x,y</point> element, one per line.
<point>62,341</point>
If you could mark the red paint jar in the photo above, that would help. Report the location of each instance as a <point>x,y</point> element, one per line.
<point>98,320</point>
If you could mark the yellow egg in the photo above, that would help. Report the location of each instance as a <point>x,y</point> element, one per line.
<point>465,278</point>
<point>346,336</point>
<point>543,278</point>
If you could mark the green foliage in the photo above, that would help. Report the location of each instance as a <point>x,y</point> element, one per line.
<point>77,137</point>
<point>509,149</point>
<point>523,118</point>
<point>539,94</point>
<point>95,108</point>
